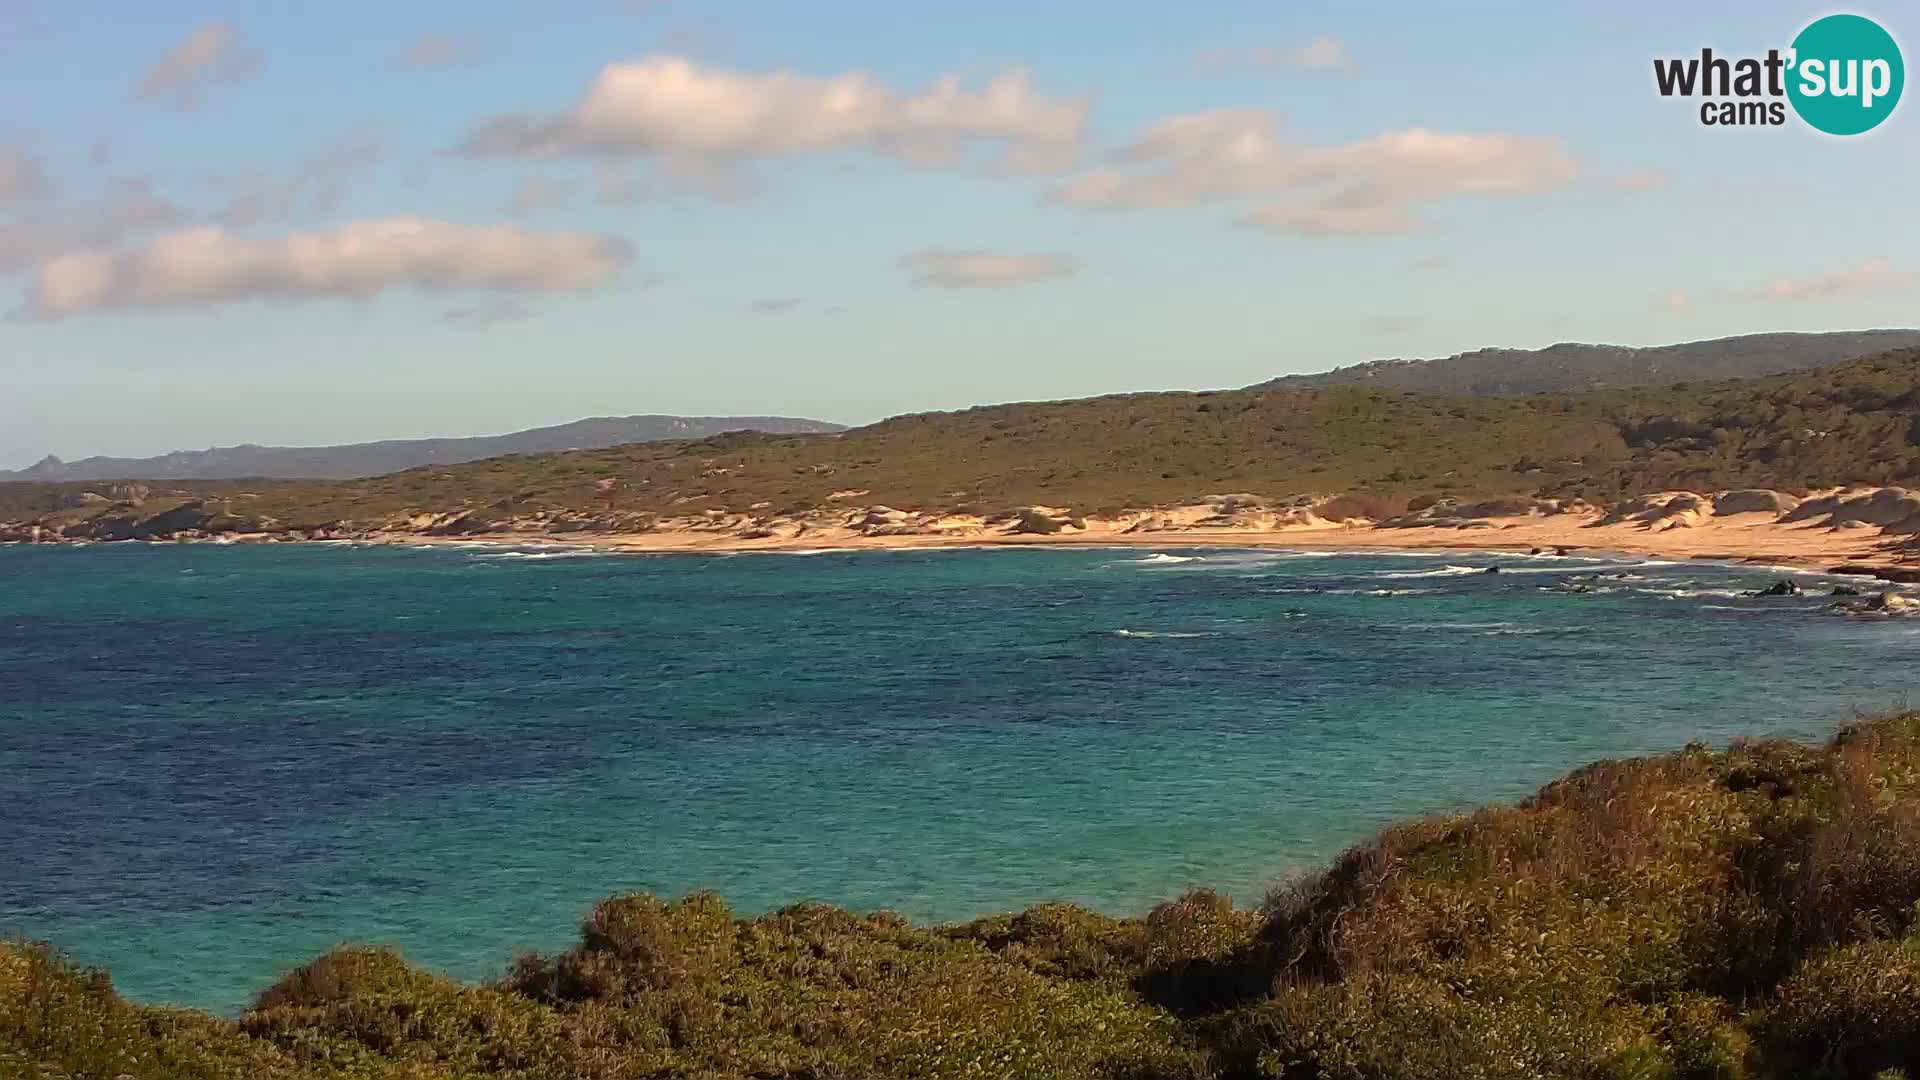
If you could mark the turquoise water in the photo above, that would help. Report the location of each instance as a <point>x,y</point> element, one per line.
<point>216,762</point>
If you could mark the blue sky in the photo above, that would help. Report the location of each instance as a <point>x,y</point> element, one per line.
<point>299,224</point>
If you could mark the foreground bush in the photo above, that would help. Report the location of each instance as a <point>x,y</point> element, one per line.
<point>1745,915</point>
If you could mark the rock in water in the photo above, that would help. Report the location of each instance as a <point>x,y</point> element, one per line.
<point>1783,587</point>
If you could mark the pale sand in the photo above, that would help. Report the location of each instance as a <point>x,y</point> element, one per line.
<point>1752,538</point>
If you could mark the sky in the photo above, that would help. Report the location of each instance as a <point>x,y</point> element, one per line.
<point>305,224</point>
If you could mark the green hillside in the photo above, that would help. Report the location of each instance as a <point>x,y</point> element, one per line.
<point>1855,422</point>
<point>1570,366</point>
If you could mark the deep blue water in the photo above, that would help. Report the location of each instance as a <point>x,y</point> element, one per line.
<point>216,762</point>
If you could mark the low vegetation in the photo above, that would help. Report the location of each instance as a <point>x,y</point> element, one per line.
<point>1851,423</point>
<point>1738,915</point>
<point>1569,366</point>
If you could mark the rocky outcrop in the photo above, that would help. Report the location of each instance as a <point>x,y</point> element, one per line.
<point>1886,603</point>
<point>1753,501</point>
<point>1891,509</point>
<point>1447,512</point>
<point>1660,511</point>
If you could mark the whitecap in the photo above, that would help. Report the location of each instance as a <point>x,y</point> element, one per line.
<point>1444,571</point>
<point>517,555</point>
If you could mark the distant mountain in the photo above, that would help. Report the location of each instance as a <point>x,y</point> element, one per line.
<point>379,458</point>
<point>1569,366</point>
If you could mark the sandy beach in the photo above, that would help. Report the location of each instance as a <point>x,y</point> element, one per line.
<point>1754,537</point>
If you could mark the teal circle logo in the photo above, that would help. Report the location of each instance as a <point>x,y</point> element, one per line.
<point>1846,74</point>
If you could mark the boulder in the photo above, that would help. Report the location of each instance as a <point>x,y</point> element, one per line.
<point>1783,587</point>
<point>187,517</point>
<point>1753,501</point>
<point>883,515</point>
<point>1891,509</point>
<point>1035,521</point>
<point>1660,511</point>
<point>1886,603</point>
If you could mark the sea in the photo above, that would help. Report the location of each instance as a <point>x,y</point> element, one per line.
<point>217,762</point>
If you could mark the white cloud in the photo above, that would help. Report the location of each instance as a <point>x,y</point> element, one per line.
<point>22,179</point>
<point>208,265</point>
<point>127,208</point>
<point>1320,54</point>
<point>951,268</point>
<point>1373,185</point>
<point>774,305</point>
<point>537,193</point>
<point>209,55</point>
<point>1873,275</point>
<point>715,119</point>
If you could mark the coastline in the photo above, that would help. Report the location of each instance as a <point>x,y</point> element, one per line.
<point>1865,531</point>
<point>1757,540</point>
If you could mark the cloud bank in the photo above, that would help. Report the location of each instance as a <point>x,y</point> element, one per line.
<point>1371,186</point>
<point>209,265</point>
<point>674,108</point>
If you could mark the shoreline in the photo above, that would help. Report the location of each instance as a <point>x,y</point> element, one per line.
<point>1796,546</point>
<point>1868,532</point>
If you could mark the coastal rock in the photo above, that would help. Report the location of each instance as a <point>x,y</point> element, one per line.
<point>106,527</point>
<point>1660,512</point>
<point>776,529</point>
<point>883,515</point>
<point>1783,587</point>
<point>465,523</point>
<point>1038,521</point>
<point>1753,501</point>
<point>1886,603</point>
<point>1892,509</point>
<point>187,517</point>
<point>947,523</point>
<point>1238,503</point>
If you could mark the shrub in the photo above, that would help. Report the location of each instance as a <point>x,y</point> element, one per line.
<point>1740,915</point>
<point>1849,1011</point>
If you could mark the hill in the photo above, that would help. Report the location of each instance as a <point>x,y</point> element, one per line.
<point>376,458</point>
<point>1569,367</point>
<point>1740,914</point>
<point>1851,423</point>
